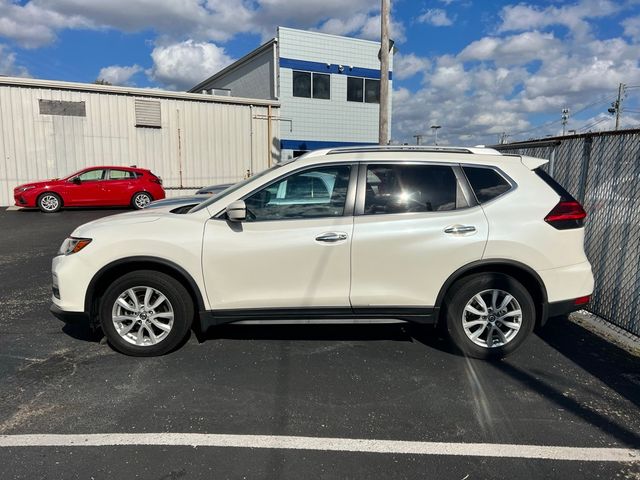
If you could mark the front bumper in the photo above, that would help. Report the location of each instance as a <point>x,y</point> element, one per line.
<point>68,317</point>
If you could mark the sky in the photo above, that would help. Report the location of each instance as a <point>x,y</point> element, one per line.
<point>481,69</point>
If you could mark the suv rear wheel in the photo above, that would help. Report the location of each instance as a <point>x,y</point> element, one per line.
<point>488,315</point>
<point>146,313</point>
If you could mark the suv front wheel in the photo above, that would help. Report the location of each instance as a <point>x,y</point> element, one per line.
<point>146,313</point>
<point>488,315</point>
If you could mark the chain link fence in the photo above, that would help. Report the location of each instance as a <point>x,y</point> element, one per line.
<point>602,170</point>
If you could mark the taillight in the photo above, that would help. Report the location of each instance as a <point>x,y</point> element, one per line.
<point>157,180</point>
<point>582,300</point>
<point>566,214</point>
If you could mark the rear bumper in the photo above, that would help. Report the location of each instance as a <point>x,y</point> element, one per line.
<point>68,317</point>
<point>556,309</point>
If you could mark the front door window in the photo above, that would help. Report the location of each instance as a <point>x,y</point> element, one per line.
<point>314,193</point>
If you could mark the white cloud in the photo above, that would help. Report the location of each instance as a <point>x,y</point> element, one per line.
<point>514,50</point>
<point>574,16</point>
<point>118,75</point>
<point>200,19</point>
<point>8,64</point>
<point>36,23</point>
<point>364,26</point>
<point>632,28</point>
<point>180,66</point>
<point>485,89</point>
<point>371,30</point>
<point>32,25</point>
<point>406,66</point>
<point>436,17</point>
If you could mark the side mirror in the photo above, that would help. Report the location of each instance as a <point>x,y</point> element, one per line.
<point>236,211</point>
<point>76,180</point>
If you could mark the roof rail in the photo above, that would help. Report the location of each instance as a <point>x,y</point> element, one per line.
<point>414,148</point>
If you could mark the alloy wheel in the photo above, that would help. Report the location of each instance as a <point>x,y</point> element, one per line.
<point>49,203</point>
<point>142,316</point>
<point>142,200</point>
<point>492,318</point>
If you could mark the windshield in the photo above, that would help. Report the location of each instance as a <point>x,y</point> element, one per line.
<point>232,188</point>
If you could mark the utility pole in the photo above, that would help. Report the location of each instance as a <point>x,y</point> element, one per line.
<point>503,138</point>
<point>565,119</point>
<point>435,131</point>
<point>383,122</point>
<point>418,138</point>
<point>616,107</point>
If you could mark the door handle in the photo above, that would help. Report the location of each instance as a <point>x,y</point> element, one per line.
<point>331,237</point>
<point>460,229</point>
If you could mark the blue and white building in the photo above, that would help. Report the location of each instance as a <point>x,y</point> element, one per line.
<point>328,87</point>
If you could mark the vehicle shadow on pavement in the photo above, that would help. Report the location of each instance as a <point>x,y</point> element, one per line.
<point>613,366</point>
<point>83,332</point>
<point>605,423</point>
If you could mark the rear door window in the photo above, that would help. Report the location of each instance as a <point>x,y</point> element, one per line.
<point>121,175</point>
<point>486,183</point>
<point>411,188</point>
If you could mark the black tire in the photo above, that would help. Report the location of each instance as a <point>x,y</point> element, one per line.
<point>49,202</point>
<point>179,301</point>
<point>141,200</point>
<point>463,291</point>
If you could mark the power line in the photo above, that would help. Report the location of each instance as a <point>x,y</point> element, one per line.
<point>549,123</point>
<point>588,126</point>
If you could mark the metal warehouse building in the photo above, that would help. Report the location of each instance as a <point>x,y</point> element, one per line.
<point>51,129</point>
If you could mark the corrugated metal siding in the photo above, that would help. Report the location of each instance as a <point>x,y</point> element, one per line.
<point>198,144</point>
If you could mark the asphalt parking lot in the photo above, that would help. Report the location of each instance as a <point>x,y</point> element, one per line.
<point>398,387</point>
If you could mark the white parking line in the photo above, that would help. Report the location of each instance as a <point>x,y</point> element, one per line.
<point>325,444</point>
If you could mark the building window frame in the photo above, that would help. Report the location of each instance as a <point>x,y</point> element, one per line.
<point>364,83</point>
<point>312,91</point>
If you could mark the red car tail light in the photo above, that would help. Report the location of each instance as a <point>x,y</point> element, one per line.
<point>566,214</point>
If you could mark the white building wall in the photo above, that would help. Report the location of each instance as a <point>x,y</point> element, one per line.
<point>200,143</point>
<point>334,120</point>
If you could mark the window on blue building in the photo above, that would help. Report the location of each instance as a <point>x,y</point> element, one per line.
<point>355,90</point>
<point>306,83</point>
<point>372,91</point>
<point>302,84</point>
<point>363,90</point>
<point>321,86</point>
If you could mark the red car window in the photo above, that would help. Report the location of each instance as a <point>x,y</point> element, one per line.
<point>92,175</point>
<point>121,175</point>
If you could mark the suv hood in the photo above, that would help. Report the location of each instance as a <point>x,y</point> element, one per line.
<point>121,219</point>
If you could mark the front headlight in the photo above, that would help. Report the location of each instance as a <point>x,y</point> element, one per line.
<point>24,189</point>
<point>73,245</point>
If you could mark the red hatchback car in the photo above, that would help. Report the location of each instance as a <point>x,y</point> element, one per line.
<point>92,187</point>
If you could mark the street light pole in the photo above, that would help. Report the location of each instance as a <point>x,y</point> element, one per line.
<point>383,121</point>
<point>435,131</point>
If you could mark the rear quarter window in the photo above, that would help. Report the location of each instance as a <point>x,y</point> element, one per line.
<point>486,183</point>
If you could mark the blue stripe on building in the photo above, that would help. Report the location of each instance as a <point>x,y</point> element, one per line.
<point>330,68</point>
<point>316,144</point>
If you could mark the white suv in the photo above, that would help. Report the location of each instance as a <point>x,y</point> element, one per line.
<point>485,245</point>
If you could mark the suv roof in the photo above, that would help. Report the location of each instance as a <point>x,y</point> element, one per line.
<point>479,150</point>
